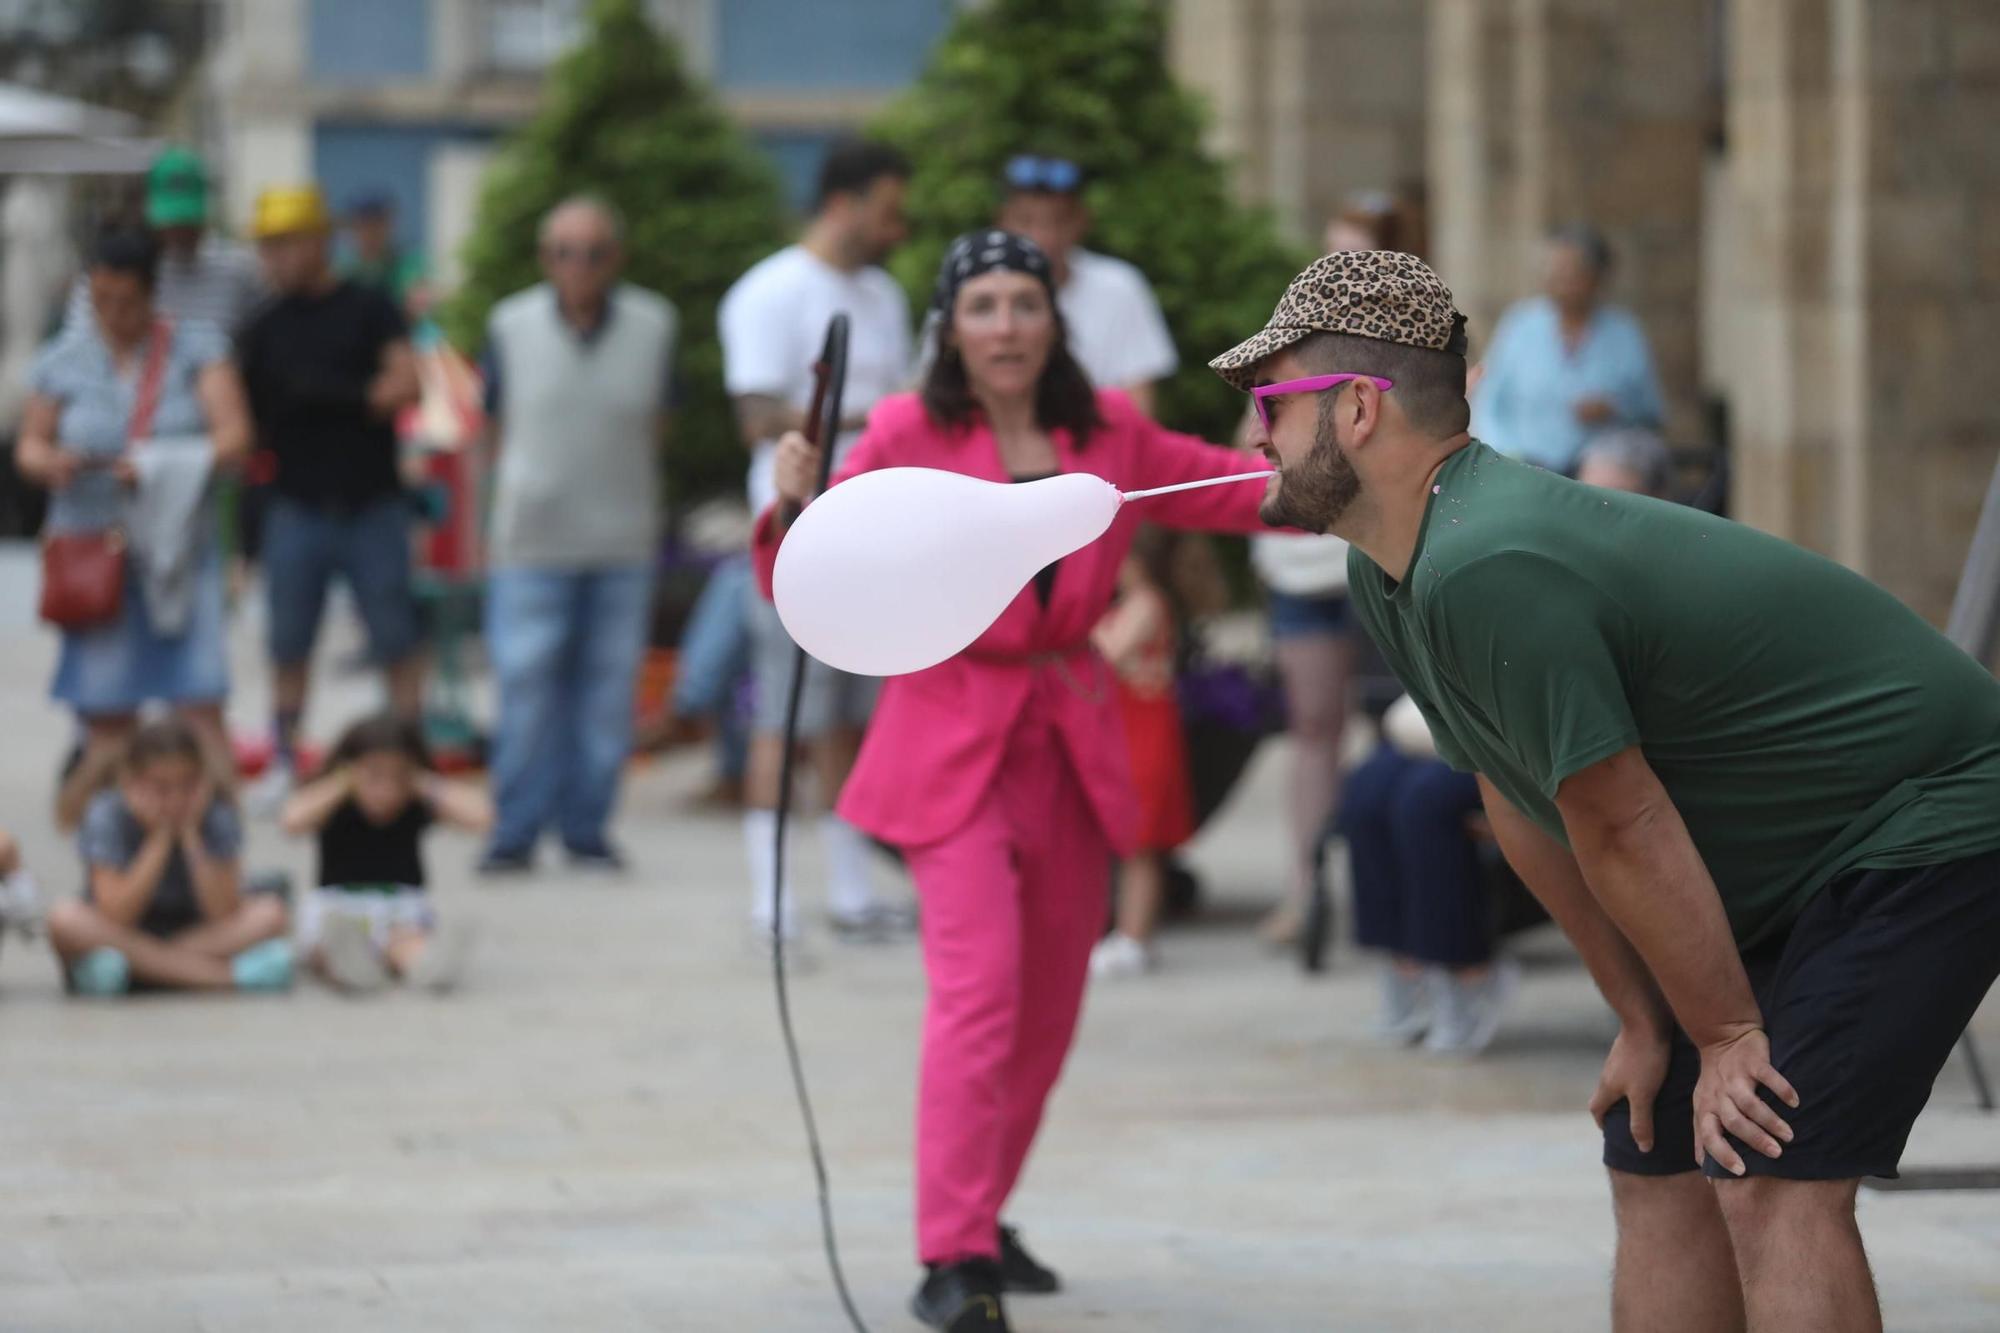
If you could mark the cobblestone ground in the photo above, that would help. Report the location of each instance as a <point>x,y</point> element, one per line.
<point>597,1133</point>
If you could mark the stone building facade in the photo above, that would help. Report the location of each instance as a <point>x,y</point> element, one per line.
<point>1804,196</point>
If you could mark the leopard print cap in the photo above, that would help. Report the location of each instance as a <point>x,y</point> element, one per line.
<point>1367,293</point>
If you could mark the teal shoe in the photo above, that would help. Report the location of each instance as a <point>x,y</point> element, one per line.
<point>101,972</point>
<point>265,967</point>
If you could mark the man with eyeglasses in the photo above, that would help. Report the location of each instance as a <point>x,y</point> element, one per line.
<point>579,378</point>
<point>1116,331</point>
<point>773,322</point>
<point>1754,789</point>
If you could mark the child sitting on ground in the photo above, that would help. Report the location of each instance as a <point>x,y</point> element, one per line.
<point>163,900</point>
<point>370,920</point>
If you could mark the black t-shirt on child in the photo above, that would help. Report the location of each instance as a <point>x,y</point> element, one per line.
<point>355,852</point>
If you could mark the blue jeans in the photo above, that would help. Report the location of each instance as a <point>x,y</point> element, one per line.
<point>1418,889</point>
<point>714,659</point>
<point>565,647</point>
<point>305,547</point>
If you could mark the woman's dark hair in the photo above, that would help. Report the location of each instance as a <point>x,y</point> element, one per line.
<point>1064,397</point>
<point>381,733</point>
<point>127,250</point>
<point>164,738</point>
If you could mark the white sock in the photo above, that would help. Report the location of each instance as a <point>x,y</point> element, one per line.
<point>850,889</point>
<point>760,834</point>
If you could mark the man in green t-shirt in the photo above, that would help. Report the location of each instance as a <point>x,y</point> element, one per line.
<point>1759,794</point>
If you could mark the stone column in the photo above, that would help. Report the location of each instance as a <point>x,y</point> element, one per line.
<point>1866,182</point>
<point>1311,100</point>
<point>1549,111</point>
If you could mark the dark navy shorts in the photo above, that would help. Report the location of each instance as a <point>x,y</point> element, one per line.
<point>1863,1000</point>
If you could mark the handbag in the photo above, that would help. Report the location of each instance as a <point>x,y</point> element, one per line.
<point>83,573</point>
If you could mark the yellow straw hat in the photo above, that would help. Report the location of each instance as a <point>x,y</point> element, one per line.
<point>288,209</point>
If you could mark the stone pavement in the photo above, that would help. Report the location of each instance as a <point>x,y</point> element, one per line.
<point>597,1134</point>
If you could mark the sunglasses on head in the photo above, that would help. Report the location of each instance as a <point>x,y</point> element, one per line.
<point>1057,174</point>
<point>594,254</point>
<point>1263,393</point>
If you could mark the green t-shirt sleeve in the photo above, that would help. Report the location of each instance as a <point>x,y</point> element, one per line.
<point>1543,653</point>
<point>1441,737</point>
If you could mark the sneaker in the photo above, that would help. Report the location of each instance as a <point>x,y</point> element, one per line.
<point>1406,1008</point>
<point>503,863</point>
<point>277,883</point>
<point>799,956</point>
<point>442,962</point>
<point>348,954</point>
<point>1469,1012</point>
<point>1020,1271</point>
<point>265,798</point>
<point>1119,955</point>
<point>961,1298</point>
<point>599,858</point>
<point>20,905</point>
<point>877,923</point>
<point>101,972</point>
<point>264,967</point>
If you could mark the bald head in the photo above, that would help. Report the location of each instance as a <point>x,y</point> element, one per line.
<point>582,248</point>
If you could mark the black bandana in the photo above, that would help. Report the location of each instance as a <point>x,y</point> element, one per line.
<point>979,252</point>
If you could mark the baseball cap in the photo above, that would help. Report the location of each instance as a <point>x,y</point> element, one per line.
<point>177,190</point>
<point>285,210</point>
<point>1382,294</point>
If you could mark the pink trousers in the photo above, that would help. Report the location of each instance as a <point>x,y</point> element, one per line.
<point>1012,903</point>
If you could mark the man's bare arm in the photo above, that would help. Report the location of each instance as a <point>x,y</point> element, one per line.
<point>760,417</point>
<point>1640,862</point>
<point>1552,875</point>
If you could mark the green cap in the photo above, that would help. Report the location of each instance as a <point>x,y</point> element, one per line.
<point>177,190</point>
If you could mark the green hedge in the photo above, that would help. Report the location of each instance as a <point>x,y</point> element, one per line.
<point>1089,80</point>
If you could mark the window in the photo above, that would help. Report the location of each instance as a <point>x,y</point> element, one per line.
<point>525,36</point>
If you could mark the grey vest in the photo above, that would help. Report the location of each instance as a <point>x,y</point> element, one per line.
<point>579,478</point>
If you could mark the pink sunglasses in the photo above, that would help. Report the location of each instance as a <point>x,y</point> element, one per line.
<point>1310,384</point>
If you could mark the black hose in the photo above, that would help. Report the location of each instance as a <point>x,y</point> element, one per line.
<point>823,428</point>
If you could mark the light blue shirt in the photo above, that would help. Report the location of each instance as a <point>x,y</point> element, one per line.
<point>1525,405</point>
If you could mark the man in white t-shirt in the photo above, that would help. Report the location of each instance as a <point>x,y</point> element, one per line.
<point>1116,331</point>
<point>773,323</point>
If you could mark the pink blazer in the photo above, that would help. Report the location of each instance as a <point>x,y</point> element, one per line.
<point>938,736</point>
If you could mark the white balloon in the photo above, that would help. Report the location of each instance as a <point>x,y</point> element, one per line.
<point>896,570</point>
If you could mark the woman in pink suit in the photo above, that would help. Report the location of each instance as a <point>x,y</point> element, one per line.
<point>1002,774</point>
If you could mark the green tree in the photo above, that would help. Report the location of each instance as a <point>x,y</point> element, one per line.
<point>621,118</point>
<point>1089,80</point>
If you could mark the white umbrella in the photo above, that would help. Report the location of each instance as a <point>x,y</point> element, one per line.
<point>43,134</point>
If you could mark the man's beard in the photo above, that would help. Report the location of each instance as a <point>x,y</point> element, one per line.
<point>1315,492</point>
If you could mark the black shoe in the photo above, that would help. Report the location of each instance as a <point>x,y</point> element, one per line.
<point>601,857</point>
<point>1020,1271</point>
<point>500,863</point>
<point>961,1298</point>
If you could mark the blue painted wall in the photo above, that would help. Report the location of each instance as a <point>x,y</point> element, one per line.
<point>798,154</point>
<point>352,159</point>
<point>368,41</point>
<point>826,44</point>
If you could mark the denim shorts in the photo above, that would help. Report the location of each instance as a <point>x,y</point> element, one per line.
<point>369,547</point>
<point>831,700</point>
<point>1294,617</point>
<point>120,667</point>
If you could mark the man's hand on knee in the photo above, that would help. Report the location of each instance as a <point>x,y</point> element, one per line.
<point>1726,1100</point>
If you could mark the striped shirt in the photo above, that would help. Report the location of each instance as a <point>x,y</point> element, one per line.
<point>219,286</point>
